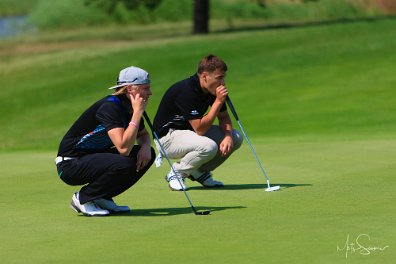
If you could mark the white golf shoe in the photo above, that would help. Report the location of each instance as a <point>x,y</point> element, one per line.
<point>87,209</point>
<point>175,181</point>
<point>206,179</point>
<point>111,206</point>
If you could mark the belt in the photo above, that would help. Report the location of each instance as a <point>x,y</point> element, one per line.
<point>59,159</point>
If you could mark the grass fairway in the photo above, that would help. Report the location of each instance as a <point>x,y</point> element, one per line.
<point>326,195</point>
<point>317,102</point>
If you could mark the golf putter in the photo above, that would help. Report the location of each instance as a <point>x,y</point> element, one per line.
<point>269,188</point>
<point>173,170</point>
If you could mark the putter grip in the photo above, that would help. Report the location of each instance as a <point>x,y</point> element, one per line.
<point>231,106</point>
<point>148,120</point>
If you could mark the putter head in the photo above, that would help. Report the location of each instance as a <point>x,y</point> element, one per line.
<point>273,188</point>
<point>203,213</point>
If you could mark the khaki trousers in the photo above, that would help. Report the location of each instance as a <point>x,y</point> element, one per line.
<point>197,154</point>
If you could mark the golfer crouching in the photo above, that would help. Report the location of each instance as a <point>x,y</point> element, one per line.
<point>108,148</point>
<point>186,127</point>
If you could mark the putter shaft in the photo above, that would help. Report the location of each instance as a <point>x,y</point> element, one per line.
<point>232,108</point>
<point>170,164</point>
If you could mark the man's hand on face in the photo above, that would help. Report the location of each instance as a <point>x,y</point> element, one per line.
<point>221,93</point>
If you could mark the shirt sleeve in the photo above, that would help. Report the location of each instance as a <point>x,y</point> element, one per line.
<point>111,116</point>
<point>191,107</point>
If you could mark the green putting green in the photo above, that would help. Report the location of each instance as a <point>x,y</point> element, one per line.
<point>318,104</point>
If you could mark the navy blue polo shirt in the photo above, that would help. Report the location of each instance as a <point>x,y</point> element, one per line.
<point>89,132</point>
<point>182,102</point>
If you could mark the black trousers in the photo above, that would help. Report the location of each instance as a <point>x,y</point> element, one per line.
<point>106,175</point>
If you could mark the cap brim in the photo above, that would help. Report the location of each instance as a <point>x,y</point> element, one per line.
<point>146,81</point>
<point>119,86</point>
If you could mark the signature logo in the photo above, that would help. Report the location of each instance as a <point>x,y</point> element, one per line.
<point>360,246</point>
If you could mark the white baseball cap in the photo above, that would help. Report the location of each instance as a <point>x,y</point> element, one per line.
<point>131,75</point>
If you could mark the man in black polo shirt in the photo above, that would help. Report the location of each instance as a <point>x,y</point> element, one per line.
<point>99,149</point>
<point>188,133</point>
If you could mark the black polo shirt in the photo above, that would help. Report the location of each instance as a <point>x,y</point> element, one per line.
<point>89,133</point>
<point>182,102</point>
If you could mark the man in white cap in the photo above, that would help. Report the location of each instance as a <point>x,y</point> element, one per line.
<point>108,149</point>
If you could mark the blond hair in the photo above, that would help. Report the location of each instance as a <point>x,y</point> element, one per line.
<point>122,90</point>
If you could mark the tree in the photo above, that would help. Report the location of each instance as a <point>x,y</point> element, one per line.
<point>201,17</point>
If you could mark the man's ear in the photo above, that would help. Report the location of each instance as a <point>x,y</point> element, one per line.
<point>204,75</point>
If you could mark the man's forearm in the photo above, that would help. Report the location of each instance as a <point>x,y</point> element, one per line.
<point>143,139</point>
<point>225,124</point>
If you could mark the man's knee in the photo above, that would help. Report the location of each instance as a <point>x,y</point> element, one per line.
<point>130,167</point>
<point>126,167</point>
<point>237,139</point>
<point>209,149</point>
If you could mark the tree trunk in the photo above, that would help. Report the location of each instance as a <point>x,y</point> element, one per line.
<point>201,17</point>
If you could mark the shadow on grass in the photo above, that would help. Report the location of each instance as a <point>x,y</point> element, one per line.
<point>175,211</point>
<point>250,186</point>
